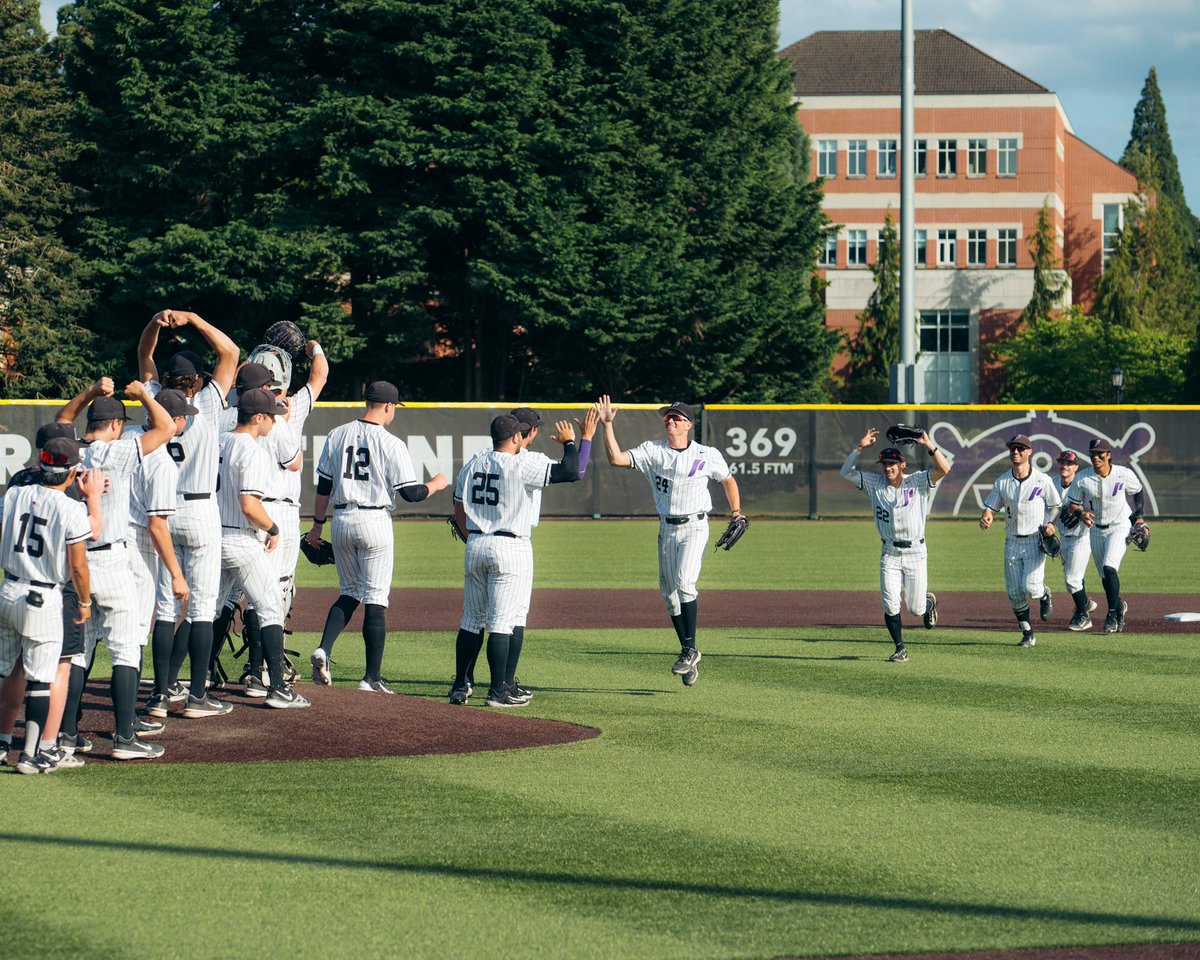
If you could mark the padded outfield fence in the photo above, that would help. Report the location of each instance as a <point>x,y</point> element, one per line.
<point>786,458</point>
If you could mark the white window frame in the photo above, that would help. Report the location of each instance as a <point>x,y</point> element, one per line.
<point>856,248</point>
<point>885,161</point>
<point>827,156</point>
<point>947,158</point>
<point>1006,247</point>
<point>947,248</point>
<point>1108,239</point>
<point>1006,157</point>
<point>976,248</point>
<point>921,248</point>
<point>828,254</point>
<point>920,158</point>
<point>977,151</point>
<point>856,159</point>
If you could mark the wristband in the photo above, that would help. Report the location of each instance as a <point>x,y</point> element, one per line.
<point>933,451</point>
<point>274,531</point>
<point>318,523</point>
<point>82,604</point>
<point>317,351</point>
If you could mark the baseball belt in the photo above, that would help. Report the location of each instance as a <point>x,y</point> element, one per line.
<point>32,583</point>
<point>901,544</point>
<point>676,521</point>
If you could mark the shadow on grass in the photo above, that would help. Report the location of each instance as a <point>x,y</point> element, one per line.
<point>483,873</point>
<point>914,636</point>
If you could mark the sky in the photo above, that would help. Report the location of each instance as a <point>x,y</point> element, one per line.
<point>1097,67</point>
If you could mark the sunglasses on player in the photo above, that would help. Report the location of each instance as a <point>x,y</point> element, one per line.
<point>674,418</point>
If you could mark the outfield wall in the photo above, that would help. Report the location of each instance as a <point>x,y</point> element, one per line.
<point>786,458</point>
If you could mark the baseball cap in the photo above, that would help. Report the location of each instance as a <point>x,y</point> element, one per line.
<point>383,392</point>
<point>891,455</point>
<point>106,408</point>
<point>1018,440</point>
<point>176,404</point>
<point>683,409</point>
<point>51,431</point>
<point>528,416</point>
<point>505,427</point>
<point>1068,456</point>
<point>60,453</point>
<point>186,363</point>
<point>1099,446</point>
<point>251,376</point>
<point>260,401</point>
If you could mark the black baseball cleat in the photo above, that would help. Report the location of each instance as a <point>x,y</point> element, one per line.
<point>502,698</point>
<point>930,617</point>
<point>900,656</point>
<point>689,679</point>
<point>1027,640</point>
<point>460,693</point>
<point>688,658</point>
<point>1081,621</point>
<point>518,692</point>
<point>1121,616</point>
<point>1112,622</point>
<point>1046,605</point>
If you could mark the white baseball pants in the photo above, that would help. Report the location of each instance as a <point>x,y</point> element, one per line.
<point>114,608</point>
<point>29,633</point>
<point>1076,553</point>
<point>1109,546</point>
<point>1024,570</point>
<point>680,553</point>
<point>497,582</point>
<point>144,560</point>
<point>904,575</point>
<point>363,553</point>
<point>196,534</point>
<point>244,559</point>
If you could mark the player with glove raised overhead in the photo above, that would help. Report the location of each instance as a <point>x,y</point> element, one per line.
<point>901,503</point>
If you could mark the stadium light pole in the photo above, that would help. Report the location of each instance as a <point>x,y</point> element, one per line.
<point>903,387</point>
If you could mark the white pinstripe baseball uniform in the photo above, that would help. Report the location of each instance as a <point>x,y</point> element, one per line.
<point>1028,504</point>
<point>366,466</point>
<point>900,514</point>
<point>247,469</point>
<point>535,516</point>
<point>38,524</point>
<point>494,489</point>
<point>1076,549</point>
<point>1106,498</point>
<point>679,479</point>
<point>152,493</point>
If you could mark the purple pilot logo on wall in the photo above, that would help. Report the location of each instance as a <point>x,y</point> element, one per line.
<point>697,466</point>
<point>978,461</point>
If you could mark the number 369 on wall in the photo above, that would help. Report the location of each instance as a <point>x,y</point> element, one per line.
<point>764,443</point>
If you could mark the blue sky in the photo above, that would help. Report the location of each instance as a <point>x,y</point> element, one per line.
<point>1096,66</point>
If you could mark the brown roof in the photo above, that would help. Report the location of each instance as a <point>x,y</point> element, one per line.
<point>865,62</point>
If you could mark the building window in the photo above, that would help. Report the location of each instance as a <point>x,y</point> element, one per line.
<point>856,158</point>
<point>1112,229</point>
<point>921,248</point>
<point>977,158</point>
<point>947,158</point>
<point>948,365</point>
<point>1006,248</point>
<point>920,157</point>
<point>945,331</point>
<point>976,248</point>
<point>1006,158</point>
<point>856,247</point>
<point>947,248</point>
<point>827,158</point>
<point>887,158</point>
<point>829,250</point>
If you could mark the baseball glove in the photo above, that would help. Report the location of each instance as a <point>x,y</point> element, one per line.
<point>904,433</point>
<point>1139,535</point>
<point>1069,519</point>
<point>455,532</point>
<point>287,336</point>
<point>320,556</point>
<point>1049,543</point>
<point>733,532</point>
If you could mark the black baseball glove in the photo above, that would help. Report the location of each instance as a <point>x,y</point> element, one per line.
<point>904,433</point>
<point>733,532</point>
<point>455,532</point>
<point>1049,543</point>
<point>1139,535</point>
<point>321,555</point>
<point>1069,519</point>
<point>287,337</point>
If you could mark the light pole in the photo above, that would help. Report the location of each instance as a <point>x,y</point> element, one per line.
<point>1118,382</point>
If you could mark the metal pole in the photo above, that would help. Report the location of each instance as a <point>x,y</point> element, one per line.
<point>907,192</point>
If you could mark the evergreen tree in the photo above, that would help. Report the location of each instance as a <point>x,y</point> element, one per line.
<point>43,294</point>
<point>876,346</point>
<point>1047,281</point>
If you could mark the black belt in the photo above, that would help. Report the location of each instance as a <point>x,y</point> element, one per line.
<point>1024,536</point>
<point>902,544</point>
<point>343,506</point>
<point>1102,526</point>
<point>494,533</point>
<point>676,521</point>
<point>196,496</point>
<point>32,583</point>
<point>286,500</point>
<point>233,526</point>
<point>105,546</point>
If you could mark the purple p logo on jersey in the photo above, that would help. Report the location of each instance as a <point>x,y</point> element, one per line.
<point>1117,488</point>
<point>696,465</point>
<point>1034,493</point>
<point>908,495</point>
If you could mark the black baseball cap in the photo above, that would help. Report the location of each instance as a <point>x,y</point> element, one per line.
<point>1099,446</point>
<point>260,401</point>
<point>51,431</point>
<point>529,417</point>
<point>1068,456</point>
<point>505,427</point>
<point>106,408</point>
<point>683,409</point>
<point>383,392</point>
<point>60,453</point>
<point>1019,440</point>
<point>891,455</point>
<point>186,363</point>
<point>176,404</point>
<point>251,376</point>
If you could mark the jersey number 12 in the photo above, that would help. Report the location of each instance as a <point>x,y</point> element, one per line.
<point>356,469</point>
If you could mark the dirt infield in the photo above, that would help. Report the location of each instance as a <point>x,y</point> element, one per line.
<point>1151,951</point>
<point>341,723</point>
<point>440,609</point>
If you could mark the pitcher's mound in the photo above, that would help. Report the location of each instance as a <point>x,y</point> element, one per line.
<point>341,723</point>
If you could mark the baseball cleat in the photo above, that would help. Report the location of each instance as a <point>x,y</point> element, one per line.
<point>37,764</point>
<point>158,706</point>
<point>207,707</point>
<point>320,667</point>
<point>1091,605</point>
<point>1121,616</point>
<point>74,744</point>
<point>143,727</point>
<point>1027,640</point>
<point>177,692</point>
<point>689,679</point>
<point>900,656</point>
<point>501,698</point>
<point>285,698</point>
<point>459,693</point>
<point>688,658</point>
<point>1081,621</point>
<point>374,686</point>
<point>135,748</point>
<point>1046,605</point>
<point>518,693</point>
<point>1111,622</point>
<point>931,616</point>
<point>255,687</point>
<point>62,759</point>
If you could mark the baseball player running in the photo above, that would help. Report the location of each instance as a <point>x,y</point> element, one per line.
<point>247,477</point>
<point>1030,500</point>
<point>1099,495</point>
<point>497,499</point>
<point>361,468</point>
<point>901,505</point>
<point>678,470</point>
<point>42,537</point>
<point>1076,548</point>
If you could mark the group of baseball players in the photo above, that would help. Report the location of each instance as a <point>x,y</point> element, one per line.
<point>1082,513</point>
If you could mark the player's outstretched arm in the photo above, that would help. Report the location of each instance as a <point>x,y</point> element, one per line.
<point>227,351</point>
<point>567,469</point>
<point>616,456</point>
<point>148,343</point>
<point>941,466</point>
<point>74,407</point>
<point>318,376</point>
<point>161,427</point>
<point>850,470</point>
<point>587,430</point>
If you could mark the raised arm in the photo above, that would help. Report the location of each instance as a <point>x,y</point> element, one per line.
<point>227,351</point>
<point>318,376</point>
<point>616,456</point>
<point>74,407</point>
<point>161,427</point>
<point>567,469</point>
<point>941,466</point>
<point>148,343</point>
<point>850,469</point>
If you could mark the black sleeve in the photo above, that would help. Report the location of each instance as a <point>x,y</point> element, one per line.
<point>1138,507</point>
<point>324,486</point>
<point>414,492</point>
<point>567,469</point>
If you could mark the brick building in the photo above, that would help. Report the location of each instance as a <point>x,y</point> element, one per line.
<point>992,146</point>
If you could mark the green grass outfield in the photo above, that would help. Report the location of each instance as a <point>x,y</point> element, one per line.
<point>804,798</point>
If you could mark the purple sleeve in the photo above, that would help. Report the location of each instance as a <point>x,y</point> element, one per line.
<point>585,451</point>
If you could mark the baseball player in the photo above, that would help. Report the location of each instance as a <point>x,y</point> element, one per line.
<point>1030,500</point>
<point>498,580</point>
<point>361,468</point>
<point>42,537</point>
<point>1099,495</point>
<point>1076,548</point>
<point>901,505</point>
<point>114,617</point>
<point>247,477</point>
<point>678,470</point>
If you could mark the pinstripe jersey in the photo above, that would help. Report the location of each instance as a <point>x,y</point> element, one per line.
<point>900,512</point>
<point>366,464</point>
<point>120,458</point>
<point>37,524</point>
<point>1027,503</point>
<point>1068,533</point>
<point>494,490</point>
<point>154,488</point>
<point>246,468</point>
<point>1105,496</point>
<point>207,400</point>
<point>679,477</point>
<point>195,454</point>
<point>301,403</point>
<point>283,446</point>
<point>535,496</point>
